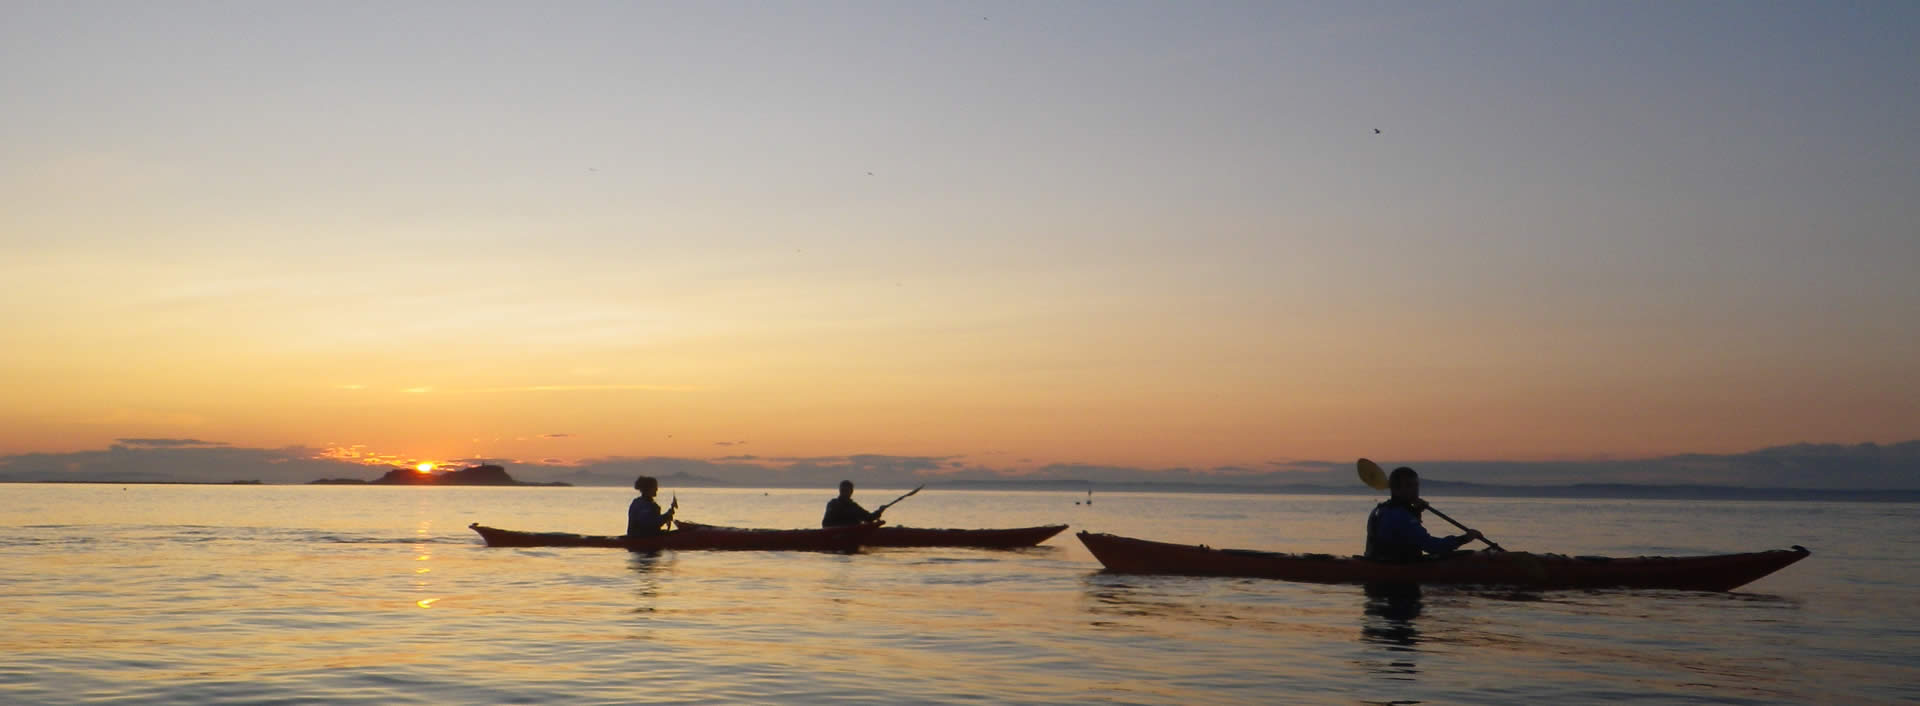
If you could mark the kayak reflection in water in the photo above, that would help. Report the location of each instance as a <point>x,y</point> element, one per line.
<point>843,511</point>
<point>1394,532</point>
<point>644,518</point>
<point>1390,613</point>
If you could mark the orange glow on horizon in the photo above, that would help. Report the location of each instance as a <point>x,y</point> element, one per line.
<point>424,468</point>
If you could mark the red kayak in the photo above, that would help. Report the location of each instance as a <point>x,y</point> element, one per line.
<point>890,536</point>
<point>838,539</point>
<point>1720,572</point>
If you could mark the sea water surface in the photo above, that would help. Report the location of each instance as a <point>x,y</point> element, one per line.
<point>381,595</point>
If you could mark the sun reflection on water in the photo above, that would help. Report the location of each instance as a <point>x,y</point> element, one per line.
<point>423,531</point>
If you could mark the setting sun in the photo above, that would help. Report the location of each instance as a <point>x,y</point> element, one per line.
<point>424,468</point>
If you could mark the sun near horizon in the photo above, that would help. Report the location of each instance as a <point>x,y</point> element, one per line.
<point>424,468</point>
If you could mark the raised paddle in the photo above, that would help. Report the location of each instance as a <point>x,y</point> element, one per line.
<point>1375,478</point>
<point>883,508</point>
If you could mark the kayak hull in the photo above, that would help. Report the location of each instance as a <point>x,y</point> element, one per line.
<point>1721,572</point>
<point>1007,538</point>
<point>837,539</point>
<point>891,536</point>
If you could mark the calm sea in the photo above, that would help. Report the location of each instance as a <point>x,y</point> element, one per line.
<point>283,594</point>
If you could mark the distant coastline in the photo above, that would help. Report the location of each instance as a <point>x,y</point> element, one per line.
<point>145,482</point>
<point>496,476</point>
<point>1812,471</point>
<point>475,475</point>
<point>1438,489</point>
<point>1433,489</point>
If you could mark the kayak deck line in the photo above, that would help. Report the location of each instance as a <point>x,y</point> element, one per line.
<point>900,536</point>
<point>836,539</point>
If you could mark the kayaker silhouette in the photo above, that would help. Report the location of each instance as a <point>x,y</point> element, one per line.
<point>643,515</point>
<point>843,511</point>
<point>1394,532</point>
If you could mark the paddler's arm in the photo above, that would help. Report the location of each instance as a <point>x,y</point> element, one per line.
<point>856,510</point>
<point>1402,526</point>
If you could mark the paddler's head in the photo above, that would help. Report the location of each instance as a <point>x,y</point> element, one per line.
<point>1404,483</point>
<point>647,486</point>
<point>846,489</point>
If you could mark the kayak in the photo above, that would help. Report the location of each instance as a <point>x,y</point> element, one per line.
<point>890,536</point>
<point>1720,572</point>
<point>838,539</point>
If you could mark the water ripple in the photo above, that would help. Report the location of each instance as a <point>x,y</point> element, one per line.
<point>302,600</point>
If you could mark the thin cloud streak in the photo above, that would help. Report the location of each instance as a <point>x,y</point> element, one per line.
<point>167,443</point>
<point>592,388</point>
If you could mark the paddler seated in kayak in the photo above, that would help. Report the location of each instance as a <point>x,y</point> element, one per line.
<point>643,516</point>
<point>843,511</point>
<point>1394,532</point>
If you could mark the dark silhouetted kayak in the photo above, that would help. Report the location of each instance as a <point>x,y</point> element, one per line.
<point>837,539</point>
<point>890,536</point>
<point>1720,572</point>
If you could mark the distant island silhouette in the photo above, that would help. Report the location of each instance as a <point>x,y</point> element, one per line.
<point>1871,472</point>
<point>488,474</point>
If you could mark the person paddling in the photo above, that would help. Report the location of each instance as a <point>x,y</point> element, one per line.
<point>1394,532</point>
<point>843,511</point>
<point>643,516</point>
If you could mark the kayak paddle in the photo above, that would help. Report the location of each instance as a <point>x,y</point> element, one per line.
<point>883,508</point>
<point>1375,478</point>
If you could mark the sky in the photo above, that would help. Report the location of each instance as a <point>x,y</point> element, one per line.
<point>1010,235</point>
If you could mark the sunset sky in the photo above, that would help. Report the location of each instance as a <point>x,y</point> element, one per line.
<point>1138,234</point>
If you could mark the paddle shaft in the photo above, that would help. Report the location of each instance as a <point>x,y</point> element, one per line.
<point>1463,528</point>
<point>883,508</point>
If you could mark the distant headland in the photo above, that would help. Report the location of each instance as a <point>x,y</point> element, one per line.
<point>474,475</point>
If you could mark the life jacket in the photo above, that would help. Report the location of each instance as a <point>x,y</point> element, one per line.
<point>643,518</point>
<point>1378,546</point>
<point>844,512</point>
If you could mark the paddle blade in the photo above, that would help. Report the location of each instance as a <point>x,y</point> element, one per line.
<point>1371,474</point>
